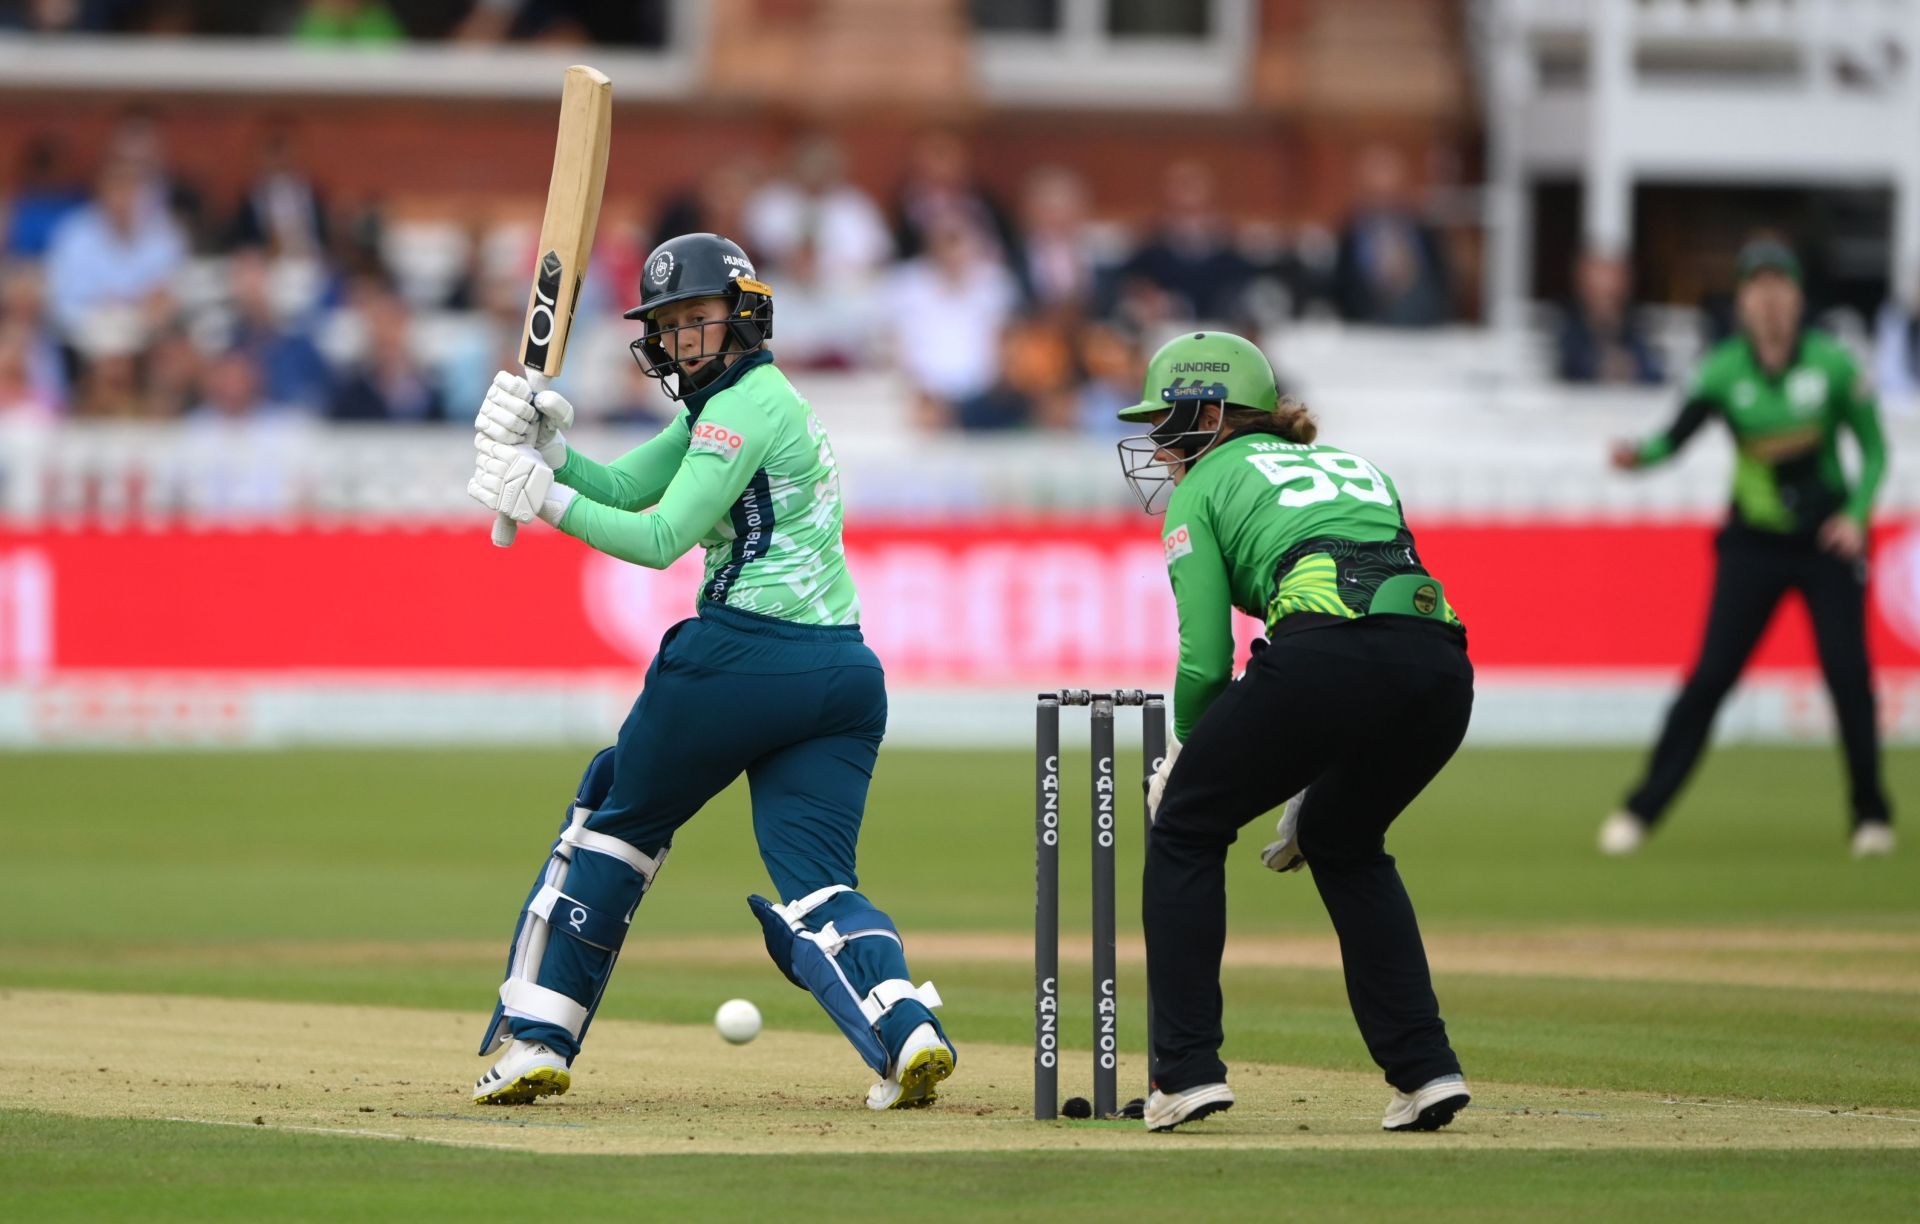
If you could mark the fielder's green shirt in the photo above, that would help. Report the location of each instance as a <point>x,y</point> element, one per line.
<point>1787,477</point>
<point>1274,528</point>
<point>746,472</point>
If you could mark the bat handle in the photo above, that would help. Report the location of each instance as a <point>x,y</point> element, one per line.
<point>504,528</point>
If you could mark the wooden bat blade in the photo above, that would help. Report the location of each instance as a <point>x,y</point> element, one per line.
<point>573,211</point>
<point>566,231</point>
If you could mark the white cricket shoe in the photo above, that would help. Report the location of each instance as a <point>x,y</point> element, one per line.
<point>923,1061</point>
<point>528,1071</point>
<point>1872,839</point>
<point>1622,833</point>
<point>1166,1110</point>
<point>1429,1107</point>
<point>1284,855</point>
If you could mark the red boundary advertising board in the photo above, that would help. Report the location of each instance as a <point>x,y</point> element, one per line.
<point>987,603</point>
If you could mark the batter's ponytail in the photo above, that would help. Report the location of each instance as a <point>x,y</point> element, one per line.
<point>1291,421</point>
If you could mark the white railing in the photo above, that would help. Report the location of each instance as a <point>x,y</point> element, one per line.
<point>1458,438</point>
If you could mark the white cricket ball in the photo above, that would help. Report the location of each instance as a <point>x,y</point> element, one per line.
<point>738,1021</point>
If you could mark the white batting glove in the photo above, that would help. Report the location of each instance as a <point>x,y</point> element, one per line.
<point>517,482</point>
<point>506,414</point>
<point>1157,785</point>
<point>556,414</point>
<point>512,414</point>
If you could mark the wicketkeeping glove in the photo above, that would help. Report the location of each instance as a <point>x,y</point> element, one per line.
<point>1157,784</point>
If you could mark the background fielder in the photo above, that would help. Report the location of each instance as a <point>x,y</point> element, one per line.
<point>770,679</point>
<point>1794,524</point>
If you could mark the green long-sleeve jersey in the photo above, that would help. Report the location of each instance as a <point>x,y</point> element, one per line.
<point>1787,476</point>
<point>746,471</point>
<point>1274,529</point>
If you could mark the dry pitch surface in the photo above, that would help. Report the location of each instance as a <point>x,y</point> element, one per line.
<point>397,1074</point>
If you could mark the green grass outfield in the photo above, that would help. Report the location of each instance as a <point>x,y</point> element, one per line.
<point>1742,958</point>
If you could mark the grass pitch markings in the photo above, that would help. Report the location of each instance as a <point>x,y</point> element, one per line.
<point>653,1089</point>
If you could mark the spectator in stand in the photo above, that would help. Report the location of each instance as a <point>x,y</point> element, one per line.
<point>1059,273</point>
<point>22,396</point>
<point>281,212</point>
<point>1896,356</point>
<point>941,187</point>
<point>947,309</point>
<point>57,17</point>
<point>293,372</point>
<point>140,140</point>
<point>825,322</point>
<point>1031,383</point>
<point>1112,367</point>
<point>117,255</point>
<point>170,375</point>
<point>23,314</point>
<point>230,389</point>
<point>45,191</point>
<point>1189,262</point>
<point>717,205</point>
<point>389,384</point>
<point>360,22</point>
<point>641,402</point>
<point>1390,270</point>
<point>109,387</point>
<point>817,207</point>
<point>640,23</point>
<point>1600,341</point>
<point>242,452</point>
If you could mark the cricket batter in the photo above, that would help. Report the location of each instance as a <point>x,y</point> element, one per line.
<point>1785,395</point>
<point>771,678</point>
<point>1359,700</point>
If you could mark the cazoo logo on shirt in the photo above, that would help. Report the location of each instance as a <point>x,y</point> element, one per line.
<point>716,438</point>
<point>1179,543</point>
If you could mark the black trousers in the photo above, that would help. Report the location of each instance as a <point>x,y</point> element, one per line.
<point>1365,713</point>
<point>1752,574</point>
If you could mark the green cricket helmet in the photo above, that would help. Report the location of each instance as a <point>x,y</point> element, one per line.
<point>1189,373</point>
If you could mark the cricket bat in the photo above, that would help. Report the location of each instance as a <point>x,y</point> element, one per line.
<point>566,232</point>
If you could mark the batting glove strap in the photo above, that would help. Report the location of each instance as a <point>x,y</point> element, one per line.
<point>554,507</point>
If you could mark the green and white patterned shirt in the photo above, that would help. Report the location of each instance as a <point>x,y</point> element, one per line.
<point>745,471</point>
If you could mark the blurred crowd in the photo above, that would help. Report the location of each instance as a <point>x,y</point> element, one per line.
<point>125,292</point>
<point>363,22</point>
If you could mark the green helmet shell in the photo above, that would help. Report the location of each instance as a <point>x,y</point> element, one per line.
<point>1207,359</point>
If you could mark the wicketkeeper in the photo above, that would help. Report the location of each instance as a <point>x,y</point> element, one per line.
<point>1359,700</point>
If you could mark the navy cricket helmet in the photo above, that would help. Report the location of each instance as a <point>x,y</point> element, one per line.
<point>699,266</point>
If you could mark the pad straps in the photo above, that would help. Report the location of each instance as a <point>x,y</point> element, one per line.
<point>881,999</point>
<point>578,835</point>
<point>531,1002</point>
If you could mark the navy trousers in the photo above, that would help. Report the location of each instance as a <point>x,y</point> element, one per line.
<point>799,709</point>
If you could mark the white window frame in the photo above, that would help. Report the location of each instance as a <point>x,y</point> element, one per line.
<point>1081,64</point>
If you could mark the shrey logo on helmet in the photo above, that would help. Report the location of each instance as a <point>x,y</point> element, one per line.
<point>1181,389</point>
<point>662,268</point>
